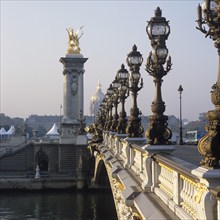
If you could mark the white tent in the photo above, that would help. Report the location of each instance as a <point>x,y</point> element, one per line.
<point>11,130</point>
<point>3,131</point>
<point>53,132</point>
<point>3,134</point>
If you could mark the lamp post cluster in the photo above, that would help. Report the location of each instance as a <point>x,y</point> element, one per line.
<point>126,82</point>
<point>209,145</point>
<point>116,94</point>
<point>158,65</point>
<point>158,30</point>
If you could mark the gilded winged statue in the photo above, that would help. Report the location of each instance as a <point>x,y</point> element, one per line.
<point>73,41</point>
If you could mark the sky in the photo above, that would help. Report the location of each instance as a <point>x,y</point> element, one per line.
<point>34,38</point>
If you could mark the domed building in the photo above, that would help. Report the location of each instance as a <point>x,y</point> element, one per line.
<point>96,100</point>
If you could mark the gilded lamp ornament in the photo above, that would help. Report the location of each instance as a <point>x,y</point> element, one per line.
<point>209,145</point>
<point>158,65</point>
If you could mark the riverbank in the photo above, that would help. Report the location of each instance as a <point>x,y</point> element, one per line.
<point>46,183</point>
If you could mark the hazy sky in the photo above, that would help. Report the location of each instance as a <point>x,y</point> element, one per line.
<point>34,37</point>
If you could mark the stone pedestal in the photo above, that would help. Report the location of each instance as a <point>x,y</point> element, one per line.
<point>72,139</point>
<point>207,203</point>
<point>73,97</point>
<point>149,181</point>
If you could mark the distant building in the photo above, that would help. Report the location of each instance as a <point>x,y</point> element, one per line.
<point>46,121</point>
<point>6,120</point>
<point>202,118</point>
<point>96,100</point>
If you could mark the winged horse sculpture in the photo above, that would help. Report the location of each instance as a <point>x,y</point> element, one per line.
<point>73,41</point>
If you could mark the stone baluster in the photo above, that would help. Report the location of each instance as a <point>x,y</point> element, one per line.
<point>132,157</point>
<point>165,179</point>
<point>117,147</point>
<point>176,187</point>
<point>156,172</point>
<point>188,195</point>
<point>105,135</point>
<point>126,153</point>
<point>183,194</point>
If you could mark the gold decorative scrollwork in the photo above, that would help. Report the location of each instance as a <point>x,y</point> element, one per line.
<point>137,216</point>
<point>200,189</point>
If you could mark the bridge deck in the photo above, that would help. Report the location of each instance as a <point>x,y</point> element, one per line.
<point>188,153</point>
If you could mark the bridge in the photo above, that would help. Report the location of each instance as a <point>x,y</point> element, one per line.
<point>148,180</point>
<point>149,177</point>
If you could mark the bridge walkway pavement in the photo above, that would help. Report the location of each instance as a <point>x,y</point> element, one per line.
<point>188,153</point>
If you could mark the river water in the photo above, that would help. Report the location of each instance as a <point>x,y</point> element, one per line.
<point>57,205</point>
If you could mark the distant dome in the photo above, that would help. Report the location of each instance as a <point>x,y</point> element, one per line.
<point>96,100</point>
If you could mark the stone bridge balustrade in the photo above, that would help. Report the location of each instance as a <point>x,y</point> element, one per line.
<point>118,144</point>
<point>216,194</point>
<point>181,190</point>
<point>106,138</point>
<point>112,140</point>
<point>135,170</point>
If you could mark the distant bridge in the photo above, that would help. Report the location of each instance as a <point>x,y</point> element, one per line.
<point>147,182</point>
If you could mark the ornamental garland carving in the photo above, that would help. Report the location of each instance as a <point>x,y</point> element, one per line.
<point>73,84</point>
<point>123,211</point>
<point>215,94</point>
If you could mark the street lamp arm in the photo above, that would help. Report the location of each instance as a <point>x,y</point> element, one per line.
<point>150,65</point>
<point>169,65</point>
<point>200,27</point>
<point>157,69</point>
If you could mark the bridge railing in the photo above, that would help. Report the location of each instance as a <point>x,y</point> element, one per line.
<point>12,150</point>
<point>170,178</point>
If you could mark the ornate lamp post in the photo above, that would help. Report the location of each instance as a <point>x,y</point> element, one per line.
<point>209,145</point>
<point>134,61</point>
<point>180,90</point>
<point>107,111</point>
<point>158,31</point>
<point>122,76</point>
<point>115,85</point>
<point>102,114</point>
<point>109,106</point>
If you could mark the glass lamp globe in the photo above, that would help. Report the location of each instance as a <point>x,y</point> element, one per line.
<point>115,84</point>
<point>160,53</point>
<point>134,60</point>
<point>180,89</point>
<point>122,73</point>
<point>136,76</point>
<point>110,90</point>
<point>124,88</point>
<point>134,57</point>
<point>158,26</point>
<point>212,7</point>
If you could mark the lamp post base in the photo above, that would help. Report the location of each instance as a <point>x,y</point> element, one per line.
<point>158,133</point>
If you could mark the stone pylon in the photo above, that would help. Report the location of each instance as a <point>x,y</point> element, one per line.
<point>73,97</point>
